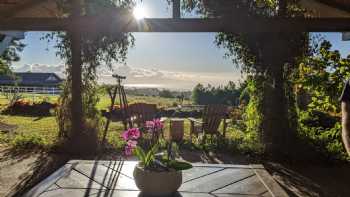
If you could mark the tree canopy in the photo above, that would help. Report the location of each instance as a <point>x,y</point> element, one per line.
<point>11,54</point>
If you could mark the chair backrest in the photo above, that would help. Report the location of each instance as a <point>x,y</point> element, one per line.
<point>212,116</point>
<point>142,112</point>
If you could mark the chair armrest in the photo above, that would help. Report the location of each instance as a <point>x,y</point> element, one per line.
<point>193,120</point>
<point>163,119</point>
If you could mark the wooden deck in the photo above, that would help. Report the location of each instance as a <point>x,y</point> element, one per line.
<point>115,179</point>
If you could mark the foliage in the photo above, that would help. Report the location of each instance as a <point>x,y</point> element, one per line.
<point>47,127</point>
<point>252,118</point>
<point>322,75</point>
<point>28,141</point>
<point>98,48</point>
<point>166,94</point>
<point>264,57</point>
<point>148,155</point>
<point>324,136</point>
<point>319,82</point>
<point>22,107</point>
<point>4,68</point>
<point>12,97</point>
<point>11,54</point>
<point>228,95</point>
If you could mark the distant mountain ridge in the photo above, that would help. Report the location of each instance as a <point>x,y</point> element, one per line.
<point>143,77</point>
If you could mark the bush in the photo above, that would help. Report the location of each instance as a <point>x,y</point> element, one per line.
<point>314,118</point>
<point>179,113</point>
<point>28,141</point>
<point>22,107</point>
<point>323,132</point>
<point>166,94</point>
<point>227,95</point>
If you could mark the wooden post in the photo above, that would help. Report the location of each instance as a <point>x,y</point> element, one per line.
<point>282,8</point>
<point>176,9</point>
<point>277,135</point>
<point>77,106</point>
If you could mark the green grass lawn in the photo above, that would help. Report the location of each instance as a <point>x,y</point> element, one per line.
<point>44,130</point>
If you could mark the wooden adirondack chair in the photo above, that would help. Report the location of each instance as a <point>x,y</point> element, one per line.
<point>139,113</point>
<point>209,125</point>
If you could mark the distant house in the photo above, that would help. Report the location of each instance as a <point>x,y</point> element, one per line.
<point>41,83</point>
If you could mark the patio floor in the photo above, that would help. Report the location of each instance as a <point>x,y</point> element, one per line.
<point>115,179</point>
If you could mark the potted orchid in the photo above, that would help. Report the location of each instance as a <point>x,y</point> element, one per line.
<point>156,164</point>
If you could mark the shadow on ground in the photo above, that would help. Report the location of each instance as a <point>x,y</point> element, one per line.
<point>23,169</point>
<point>301,179</point>
<point>305,179</point>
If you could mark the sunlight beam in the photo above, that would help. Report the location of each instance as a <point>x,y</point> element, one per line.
<point>139,13</point>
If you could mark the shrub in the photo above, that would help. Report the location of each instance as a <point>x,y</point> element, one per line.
<point>28,141</point>
<point>22,107</point>
<point>323,132</point>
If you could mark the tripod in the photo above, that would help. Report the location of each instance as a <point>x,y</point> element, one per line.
<point>123,103</point>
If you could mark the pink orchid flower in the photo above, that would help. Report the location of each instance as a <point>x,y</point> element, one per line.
<point>130,146</point>
<point>128,150</point>
<point>155,125</point>
<point>131,134</point>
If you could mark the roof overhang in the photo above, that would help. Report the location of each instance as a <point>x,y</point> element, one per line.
<point>28,8</point>
<point>43,15</point>
<point>315,8</point>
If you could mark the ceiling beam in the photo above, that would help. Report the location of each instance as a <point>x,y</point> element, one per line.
<point>21,6</point>
<point>128,24</point>
<point>339,4</point>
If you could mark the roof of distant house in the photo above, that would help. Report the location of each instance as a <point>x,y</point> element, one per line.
<point>31,79</point>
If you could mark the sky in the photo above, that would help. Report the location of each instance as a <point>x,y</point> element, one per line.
<point>162,60</point>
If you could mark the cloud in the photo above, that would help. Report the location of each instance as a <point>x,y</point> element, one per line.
<point>147,77</point>
<point>41,68</point>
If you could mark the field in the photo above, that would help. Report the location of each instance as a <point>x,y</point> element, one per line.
<point>43,131</point>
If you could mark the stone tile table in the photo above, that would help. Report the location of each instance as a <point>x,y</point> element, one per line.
<point>115,179</point>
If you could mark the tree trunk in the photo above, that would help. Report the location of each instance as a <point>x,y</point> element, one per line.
<point>76,104</point>
<point>276,134</point>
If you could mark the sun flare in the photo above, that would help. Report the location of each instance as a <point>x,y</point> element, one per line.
<point>139,13</point>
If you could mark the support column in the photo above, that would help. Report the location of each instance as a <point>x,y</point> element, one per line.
<point>76,105</point>
<point>276,132</point>
<point>176,9</point>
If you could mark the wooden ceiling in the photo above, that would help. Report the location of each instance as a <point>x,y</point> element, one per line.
<point>28,8</point>
<point>339,4</point>
<point>48,8</point>
<point>42,15</point>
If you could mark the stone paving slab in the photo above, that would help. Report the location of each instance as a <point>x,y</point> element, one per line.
<point>115,179</point>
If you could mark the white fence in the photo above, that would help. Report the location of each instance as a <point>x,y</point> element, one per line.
<point>32,90</point>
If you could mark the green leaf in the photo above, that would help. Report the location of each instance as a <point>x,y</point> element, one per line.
<point>150,155</point>
<point>179,165</point>
<point>140,154</point>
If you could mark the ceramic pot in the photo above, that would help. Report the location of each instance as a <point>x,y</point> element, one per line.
<point>152,183</point>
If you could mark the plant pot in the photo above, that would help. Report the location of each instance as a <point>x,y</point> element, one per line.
<point>176,129</point>
<point>152,183</point>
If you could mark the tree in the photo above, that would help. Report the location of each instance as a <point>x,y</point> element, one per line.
<point>227,95</point>
<point>322,75</point>
<point>197,94</point>
<point>269,58</point>
<point>11,54</point>
<point>99,47</point>
<point>319,81</point>
<point>166,94</point>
